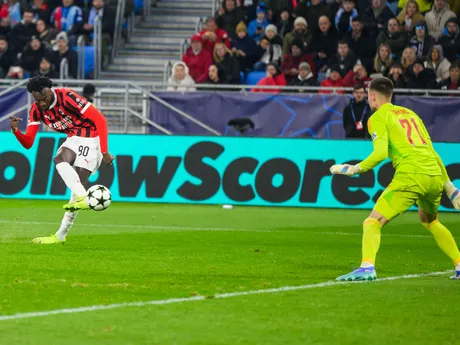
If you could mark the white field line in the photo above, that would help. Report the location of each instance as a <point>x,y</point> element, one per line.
<point>167,228</point>
<point>201,298</point>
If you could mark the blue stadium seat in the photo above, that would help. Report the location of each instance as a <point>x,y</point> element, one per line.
<point>242,77</point>
<point>254,77</point>
<point>138,5</point>
<point>89,60</point>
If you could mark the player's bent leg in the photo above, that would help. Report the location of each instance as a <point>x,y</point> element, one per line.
<point>80,203</point>
<point>443,238</point>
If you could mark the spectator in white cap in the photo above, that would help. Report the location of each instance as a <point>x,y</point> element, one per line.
<point>300,32</point>
<point>271,32</point>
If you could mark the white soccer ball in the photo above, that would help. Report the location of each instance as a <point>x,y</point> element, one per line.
<point>98,197</point>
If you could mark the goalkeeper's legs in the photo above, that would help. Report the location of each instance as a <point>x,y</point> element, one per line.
<point>443,238</point>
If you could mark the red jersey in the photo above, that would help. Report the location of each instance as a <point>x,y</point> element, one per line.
<point>66,114</point>
<point>69,113</point>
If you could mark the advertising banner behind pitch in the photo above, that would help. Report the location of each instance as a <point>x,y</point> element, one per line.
<point>212,170</point>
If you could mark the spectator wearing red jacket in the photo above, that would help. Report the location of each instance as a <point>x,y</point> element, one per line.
<point>334,80</point>
<point>274,78</point>
<point>358,76</point>
<point>211,34</point>
<point>292,61</point>
<point>198,60</point>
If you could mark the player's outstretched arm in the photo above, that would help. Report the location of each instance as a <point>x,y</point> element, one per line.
<point>27,139</point>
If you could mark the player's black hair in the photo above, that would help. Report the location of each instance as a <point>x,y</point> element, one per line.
<point>28,10</point>
<point>38,83</point>
<point>382,85</point>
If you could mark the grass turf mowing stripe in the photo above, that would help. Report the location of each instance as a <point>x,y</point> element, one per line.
<point>201,298</point>
<point>186,228</point>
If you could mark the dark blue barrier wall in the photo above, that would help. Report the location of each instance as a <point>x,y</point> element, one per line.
<point>295,115</point>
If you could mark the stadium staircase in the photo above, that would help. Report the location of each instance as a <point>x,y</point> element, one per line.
<point>157,39</point>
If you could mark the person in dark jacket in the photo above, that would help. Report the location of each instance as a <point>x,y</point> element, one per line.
<point>7,57</point>
<point>453,82</point>
<point>344,16</point>
<point>301,33</point>
<point>228,17</point>
<point>360,43</point>
<point>344,58</point>
<point>396,75</point>
<point>65,52</point>
<point>356,114</point>
<point>324,42</point>
<point>393,36</point>
<point>305,77</point>
<point>46,69</point>
<point>420,77</point>
<point>45,33</point>
<point>33,54</point>
<point>376,16</point>
<point>421,40</point>
<point>312,11</point>
<point>450,41</point>
<point>227,64</point>
<point>214,78</point>
<point>244,47</point>
<point>22,32</point>
<point>284,23</point>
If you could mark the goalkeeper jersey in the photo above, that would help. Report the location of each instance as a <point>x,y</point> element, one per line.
<point>399,133</point>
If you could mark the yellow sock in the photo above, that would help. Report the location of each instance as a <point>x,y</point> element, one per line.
<point>371,240</point>
<point>445,240</point>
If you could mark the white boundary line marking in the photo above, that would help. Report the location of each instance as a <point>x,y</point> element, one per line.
<point>187,228</point>
<point>201,298</point>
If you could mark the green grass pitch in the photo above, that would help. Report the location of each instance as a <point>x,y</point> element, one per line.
<point>144,252</point>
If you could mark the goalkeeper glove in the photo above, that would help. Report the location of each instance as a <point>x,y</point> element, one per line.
<point>345,169</point>
<point>453,194</point>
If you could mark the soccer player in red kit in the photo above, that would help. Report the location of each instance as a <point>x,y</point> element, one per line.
<point>80,155</point>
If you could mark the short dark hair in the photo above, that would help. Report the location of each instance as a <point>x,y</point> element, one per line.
<point>357,19</point>
<point>358,87</point>
<point>342,42</point>
<point>38,83</point>
<point>382,85</point>
<point>454,66</point>
<point>28,10</point>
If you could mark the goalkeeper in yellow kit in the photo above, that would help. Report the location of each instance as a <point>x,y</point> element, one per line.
<point>399,134</point>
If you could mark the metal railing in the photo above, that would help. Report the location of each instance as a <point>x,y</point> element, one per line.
<point>81,44</point>
<point>199,24</point>
<point>167,71</point>
<point>119,20</point>
<point>64,69</point>
<point>131,24</point>
<point>97,42</point>
<point>127,104</point>
<point>215,6</point>
<point>162,86</point>
<point>183,47</point>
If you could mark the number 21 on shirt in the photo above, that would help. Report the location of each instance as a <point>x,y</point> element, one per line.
<point>409,125</point>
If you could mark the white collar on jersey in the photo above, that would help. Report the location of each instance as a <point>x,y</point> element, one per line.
<point>55,99</point>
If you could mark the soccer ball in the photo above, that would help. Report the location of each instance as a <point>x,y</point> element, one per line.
<point>98,197</point>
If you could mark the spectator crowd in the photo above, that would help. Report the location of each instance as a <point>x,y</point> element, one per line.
<point>330,43</point>
<point>37,35</point>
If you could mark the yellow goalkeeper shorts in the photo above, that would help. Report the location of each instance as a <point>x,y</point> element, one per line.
<point>406,190</point>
